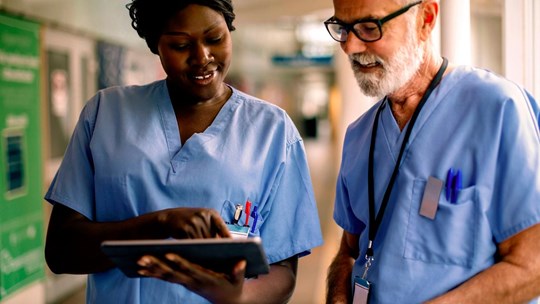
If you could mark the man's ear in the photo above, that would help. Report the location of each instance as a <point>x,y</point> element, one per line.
<point>428,15</point>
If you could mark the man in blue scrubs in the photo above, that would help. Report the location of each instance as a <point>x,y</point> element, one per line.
<point>439,188</point>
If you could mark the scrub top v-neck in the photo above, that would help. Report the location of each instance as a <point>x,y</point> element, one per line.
<point>181,153</point>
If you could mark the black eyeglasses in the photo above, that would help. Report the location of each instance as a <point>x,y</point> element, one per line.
<point>367,30</point>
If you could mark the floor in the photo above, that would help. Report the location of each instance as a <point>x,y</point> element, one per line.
<point>323,158</point>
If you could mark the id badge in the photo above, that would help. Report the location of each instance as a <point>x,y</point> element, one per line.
<point>361,290</point>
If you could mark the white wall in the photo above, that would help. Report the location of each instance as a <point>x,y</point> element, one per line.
<point>521,34</point>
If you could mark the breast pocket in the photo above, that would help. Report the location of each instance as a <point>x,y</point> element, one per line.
<point>228,210</point>
<point>450,237</point>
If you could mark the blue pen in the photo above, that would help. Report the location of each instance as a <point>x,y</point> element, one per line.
<point>255,216</point>
<point>448,186</point>
<point>456,186</point>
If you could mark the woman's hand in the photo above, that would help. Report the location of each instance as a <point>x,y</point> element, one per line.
<point>74,241</point>
<point>215,287</point>
<point>193,223</point>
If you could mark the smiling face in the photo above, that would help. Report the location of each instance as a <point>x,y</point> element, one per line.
<point>384,66</point>
<point>195,50</point>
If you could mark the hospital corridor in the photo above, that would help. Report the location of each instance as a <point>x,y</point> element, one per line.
<point>56,54</point>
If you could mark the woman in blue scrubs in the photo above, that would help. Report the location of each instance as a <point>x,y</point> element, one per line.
<point>174,158</point>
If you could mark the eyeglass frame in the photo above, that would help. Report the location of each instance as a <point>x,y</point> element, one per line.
<point>349,27</point>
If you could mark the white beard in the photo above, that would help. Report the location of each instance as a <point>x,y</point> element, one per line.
<point>394,73</point>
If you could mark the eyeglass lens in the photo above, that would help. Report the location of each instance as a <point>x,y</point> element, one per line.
<point>367,31</point>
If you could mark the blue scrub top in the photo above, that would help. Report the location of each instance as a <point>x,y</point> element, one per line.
<point>474,121</point>
<point>126,159</point>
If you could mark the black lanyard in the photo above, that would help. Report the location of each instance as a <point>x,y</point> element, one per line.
<point>375,222</point>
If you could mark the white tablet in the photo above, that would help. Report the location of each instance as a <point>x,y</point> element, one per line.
<point>217,254</point>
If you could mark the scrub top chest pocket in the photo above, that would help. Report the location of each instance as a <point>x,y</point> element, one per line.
<point>450,237</point>
<point>241,219</point>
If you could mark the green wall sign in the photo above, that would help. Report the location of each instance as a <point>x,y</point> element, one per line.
<point>21,207</point>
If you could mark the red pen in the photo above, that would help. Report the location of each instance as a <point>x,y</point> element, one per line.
<point>248,207</point>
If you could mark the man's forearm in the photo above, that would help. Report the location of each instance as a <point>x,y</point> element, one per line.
<point>502,283</point>
<point>339,280</point>
<point>515,279</point>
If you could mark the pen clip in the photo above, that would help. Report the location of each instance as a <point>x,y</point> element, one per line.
<point>255,216</point>
<point>448,184</point>
<point>456,186</point>
<point>237,213</point>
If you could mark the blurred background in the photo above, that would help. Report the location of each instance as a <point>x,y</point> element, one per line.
<point>55,54</point>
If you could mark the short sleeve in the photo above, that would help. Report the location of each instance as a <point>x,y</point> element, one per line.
<point>343,213</point>
<point>73,184</point>
<point>292,226</point>
<point>516,201</point>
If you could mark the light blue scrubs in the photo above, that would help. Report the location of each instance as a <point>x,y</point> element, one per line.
<point>474,121</point>
<point>125,159</point>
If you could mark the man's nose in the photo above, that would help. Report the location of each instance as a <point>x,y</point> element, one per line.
<point>353,44</point>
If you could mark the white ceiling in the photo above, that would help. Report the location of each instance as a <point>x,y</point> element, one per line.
<point>108,19</point>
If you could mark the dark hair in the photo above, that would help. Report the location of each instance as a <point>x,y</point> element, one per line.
<point>148,17</point>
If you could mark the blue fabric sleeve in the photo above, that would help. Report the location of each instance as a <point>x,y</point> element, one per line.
<point>292,226</point>
<point>517,186</point>
<point>535,107</point>
<point>77,167</point>
<point>343,213</point>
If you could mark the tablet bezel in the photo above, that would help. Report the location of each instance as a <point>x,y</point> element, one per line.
<point>217,254</point>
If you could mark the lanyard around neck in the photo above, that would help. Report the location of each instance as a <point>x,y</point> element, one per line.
<point>375,221</point>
